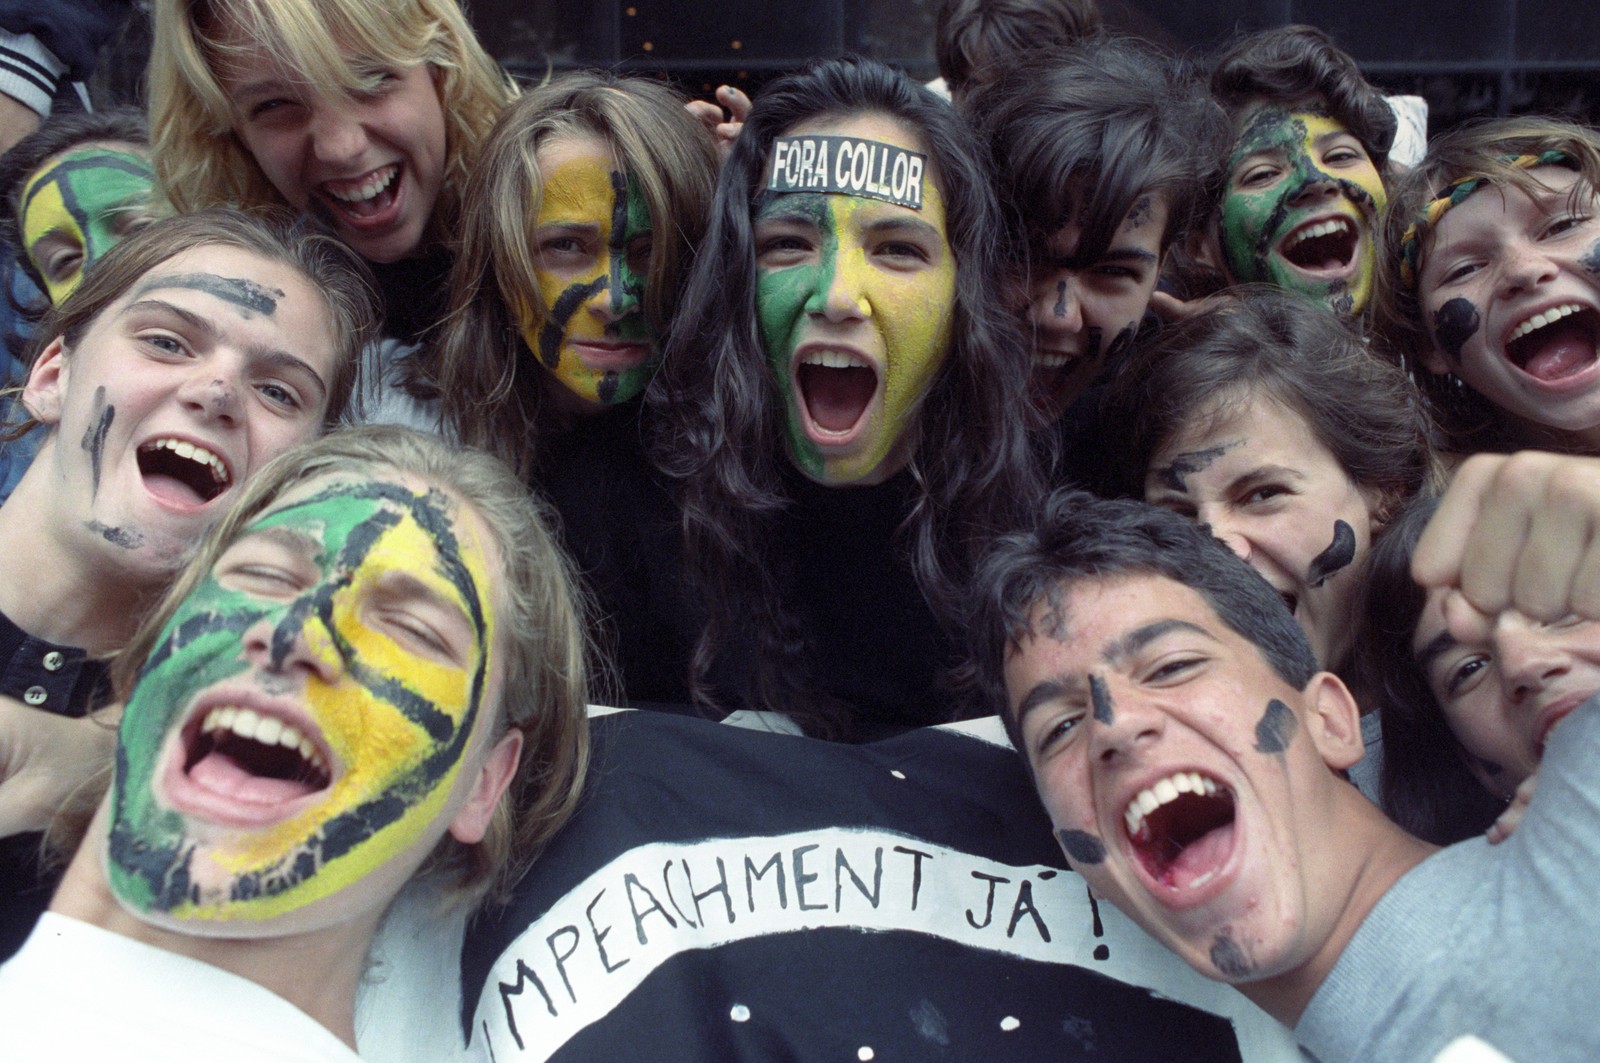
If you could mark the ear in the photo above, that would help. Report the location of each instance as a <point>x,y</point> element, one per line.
<point>46,388</point>
<point>499,768</point>
<point>1334,721</point>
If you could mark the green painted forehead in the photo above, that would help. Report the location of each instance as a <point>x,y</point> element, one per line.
<point>80,167</point>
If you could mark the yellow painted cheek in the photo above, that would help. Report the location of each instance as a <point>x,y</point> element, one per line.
<point>48,213</point>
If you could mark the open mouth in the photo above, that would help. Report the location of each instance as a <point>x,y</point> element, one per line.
<point>182,472</point>
<point>1181,829</point>
<point>364,197</point>
<point>1556,343</point>
<point>836,388</point>
<point>1322,246</point>
<point>247,756</point>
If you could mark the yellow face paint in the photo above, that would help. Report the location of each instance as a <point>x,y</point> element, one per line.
<point>1301,207</point>
<point>77,206</point>
<point>855,298</point>
<point>355,620</point>
<point>592,248</point>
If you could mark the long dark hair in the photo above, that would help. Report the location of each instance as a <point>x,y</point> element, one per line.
<point>720,423</point>
<point>1426,786</point>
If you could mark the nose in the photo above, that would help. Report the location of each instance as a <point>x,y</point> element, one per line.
<point>295,639</point>
<point>211,396</point>
<point>337,135</point>
<point>1525,266</point>
<point>840,295</point>
<point>1057,306</point>
<point>620,295</point>
<point>1216,521</point>
<point>1124,719</point>
<point>1526,654</point>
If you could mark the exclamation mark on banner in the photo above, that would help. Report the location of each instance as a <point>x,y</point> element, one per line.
<point>1101,952</point>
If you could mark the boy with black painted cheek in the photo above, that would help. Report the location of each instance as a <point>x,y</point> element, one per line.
<point>1189,753</point>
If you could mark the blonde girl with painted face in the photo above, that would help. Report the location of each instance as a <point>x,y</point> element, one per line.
<point>590,196</point>
<point>374,668</point>
<point>1490,288</point>
<point>366,113</point>
<point>844,406</point>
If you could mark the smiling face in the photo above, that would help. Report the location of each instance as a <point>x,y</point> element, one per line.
<point>371,163</point>
<point>1300,207</point>
<point>1085,313</point>
<point>854,298</point>
<point>1502,695</point>
<point>302,723</point>
<point>1185,778</point>
<point>1510,291</point>
<point>592,256</point>
<point>213,363</point>
<point>78,204</point>
<point>1263,483</point>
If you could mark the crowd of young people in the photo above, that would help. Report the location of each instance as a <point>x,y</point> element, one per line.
<point>796,388</point>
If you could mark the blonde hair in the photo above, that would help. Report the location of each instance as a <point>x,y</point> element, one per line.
<point>660,146</point>
<point>199,161</point>
<point>542,643</point>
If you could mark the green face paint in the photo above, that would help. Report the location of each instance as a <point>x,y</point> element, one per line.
<point>1301,207</point>
<point>77,206</point>
<point>854,301</point>
<point>592,239</point>
<point>301,720</point>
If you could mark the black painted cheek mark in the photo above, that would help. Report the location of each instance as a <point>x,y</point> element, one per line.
<point>1276,728</point>
<point>1591,259</point>
<point>1337,556</point>
<point>123,537</point>
<point>1103,709</point>
<point>1453,325</point>
<point>94,437</point>
<point>606,391</point>
<point>1081,846</point>
<point>1061,299</point>
<point>1228,958</point>
<point>566,305</point>
<point>1121,342</point>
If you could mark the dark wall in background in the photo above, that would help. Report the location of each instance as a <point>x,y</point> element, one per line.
<point>1467,57</point>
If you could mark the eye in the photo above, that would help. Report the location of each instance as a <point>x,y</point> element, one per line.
<point>165,344</point>
<point>1056,730</point>
<point>279,395</point>
<point>1119,273</point>
<point>259,578</point>
<point>561,245</point>
<point>904,250</point>
<point>1173,668</point>
<point>1263,493</point>
<point>784,244</point>
<point>1343,156</point>
<point>413,630</point>
<point>1463,675</point>
<point>60,265</point>
<point>1563,225</point>
<point>1458,272</point>
<point>638,253</point>
<point>274,108</point>
<point>1258,176</point>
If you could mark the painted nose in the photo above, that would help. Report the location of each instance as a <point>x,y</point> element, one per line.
<point>841,295</point>
<point>1527,655</point>
<point>1057,307</point>
<point>211,396</point>
<point>1121,720</point>
<point>1314,183</point>
<point>294,640</point>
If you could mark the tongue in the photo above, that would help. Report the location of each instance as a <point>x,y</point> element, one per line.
<point>221,774</point>
<point>1199,858</point>
<point>836,398</point>
<point>171,489</point>
<point>1559,350</point>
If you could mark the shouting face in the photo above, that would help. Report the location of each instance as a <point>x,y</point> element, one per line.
<point>1300,207</point>
<point>78,205</point>
<point>592,255</point>
<point>855,294</point>
<point>1186,779</point>
<point>1510,289</point>
<point>311,716</point>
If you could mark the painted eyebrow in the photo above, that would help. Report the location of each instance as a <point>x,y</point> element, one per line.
<point>273,356</point>
<point>1119,651</point>
<point>1437,646</point>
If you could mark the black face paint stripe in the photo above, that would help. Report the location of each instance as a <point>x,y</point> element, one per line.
<point>1228,958</point>
<point>127,538</point>
<point>1454,324</point>
<point>1103,708</point>
<point>1061,299</point>
<point>1194,461</point>
<point>1276,728</point>
<point>247,295</point>
<point>1591,258</point>
<point>556,326</point>
<point>1081,846</point>
<point>1340,552</point>
<point>94,437</point>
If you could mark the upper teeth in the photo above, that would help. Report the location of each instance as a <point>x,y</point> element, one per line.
<point>195,452</point>
<point>366,188</point>
<point>268,730</point>
<point>1324,228</point>
<point>1163,792</point>
<point>832,360</point>
<point>1051,361</point>
<point>1539,321</point>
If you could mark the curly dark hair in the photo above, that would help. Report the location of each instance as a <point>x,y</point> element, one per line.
<point>973,40</point>
<point>719,419</point>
